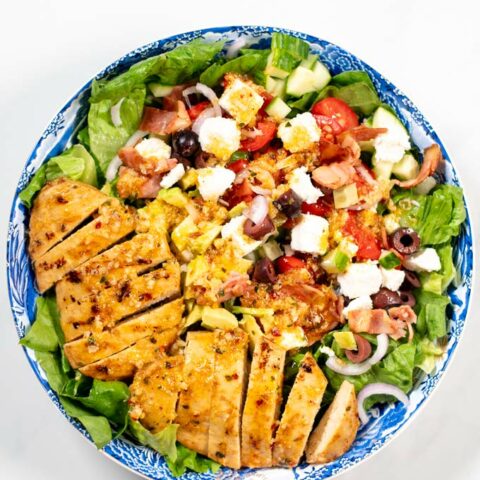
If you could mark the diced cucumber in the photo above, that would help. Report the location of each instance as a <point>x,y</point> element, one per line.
<point>160,90</point>
<point>407,168</point>
<point>346,196</point>
<point>300,82</point>
<point>309,62</point>
<point>424,187</point>
<point>194,316</point>
<point>382,170</point>
<point>278,109</point>
<point>287,53</point>
<point>321,74</point>
<point>218,318</point>
<point>384,118</point>
<point>278,68</point>
<point>275,86</point>
<point>272,250</point>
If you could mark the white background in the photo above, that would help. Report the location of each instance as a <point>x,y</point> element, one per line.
<point>430,49</point>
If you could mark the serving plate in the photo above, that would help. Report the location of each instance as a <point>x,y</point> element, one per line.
<point>386,421</point>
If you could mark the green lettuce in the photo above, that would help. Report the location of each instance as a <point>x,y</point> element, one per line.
<point>189,460</point>
<point>182,64</point>
<point>75,163</point>
<point>438,282</point>
<point>427,354</point>
<point>431,313</point>
<point>104,137</point>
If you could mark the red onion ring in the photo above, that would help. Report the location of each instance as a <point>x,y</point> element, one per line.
<point>257,210</point>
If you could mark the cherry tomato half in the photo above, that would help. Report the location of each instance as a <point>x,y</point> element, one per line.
<point>367,242</point>
<point>322,208</point>
<point>338,110</point>
<point>239,192</point>
<point>268,129</point>
<point>287,263</point>
<point>197,109</point>
<point>238,165</point>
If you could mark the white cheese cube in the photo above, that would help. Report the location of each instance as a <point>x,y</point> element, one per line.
<point>301,183</point>
<point>426,260</point>
<point>242,243</point>
<point>310,235</point>
<point>392,145</point>
<point>241,101</point>
<point>299,133</point>
<point>392,278</point>
<point>220,137</point>
<point>360,279</point>
<point>292,338</point>
<point>154,148</point>
<point>361,303</point>
<point>214,181</point>
<point>173,176</point>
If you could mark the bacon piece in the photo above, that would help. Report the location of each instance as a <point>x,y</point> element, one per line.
<point>304,293</point>
<point>432,156</point>
<point>164,122</point>
<point>405,314</point>
<point>235,286</point>
<point>132,184</point>
<point>176,95</point>
<point>362,133</point>
<point>145,166</point>
<point>335,175</point>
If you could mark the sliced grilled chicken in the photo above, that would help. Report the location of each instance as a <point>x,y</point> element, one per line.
<point>299,414</point>
<point>124,364</point>
<point>337,429</point>
<point>154,393</point>
<point>229,381</point>
<point>100,345</point>
<point>114,222</point>
<point>194,405</point>
<point>96,312</point>
<point>262,404</point>
<point>125,260</point>
<point>60,207</point>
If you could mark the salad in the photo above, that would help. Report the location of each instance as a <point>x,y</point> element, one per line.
<point>238,257</point>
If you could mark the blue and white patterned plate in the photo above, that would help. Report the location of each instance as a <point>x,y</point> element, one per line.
<point>385,422</point>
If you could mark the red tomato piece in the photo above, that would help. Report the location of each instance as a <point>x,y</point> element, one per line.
<point>287,263</point>
<point>238,165</point>
<point>338,110</point>
<point>268,129</point>
<point>239,192</point>
<point>197,109</point>
<point>322,208</point>
<point>367,242</point>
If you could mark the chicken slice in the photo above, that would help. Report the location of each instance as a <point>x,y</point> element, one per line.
<point>229,381</point>
<point>60,207</point>
<point>114,222</point>
<point>337,429</point>
<point>95,346</point>
<point>124,364</point>
<point>97,312</point>
<point>125,260</point>
<point>262,404</point>
<point>299,414</point>
<point>194,405</point>
<point>154,393</point>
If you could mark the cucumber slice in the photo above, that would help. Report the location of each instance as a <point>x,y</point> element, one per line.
<point>346,196</point>
<point>160,90</point>
<point>300,82</point>
<point>278,68</point>
<point>287,53</point>
<point>383,170</point>
<point>384,118</point>
<point>424,187</point>
<point>309,62</point>
<point>278,109</point>
<point>407,168</point>
<point>276,86</point>
<point>321,74</point>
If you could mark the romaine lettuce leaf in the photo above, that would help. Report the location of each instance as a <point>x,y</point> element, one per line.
<point>427,354</point>
<point>188,459</point>
<point>431,313</point>
<point>163,442</point>
<point>437,282</point>
<point>105,138</point>
<point>182,64</point>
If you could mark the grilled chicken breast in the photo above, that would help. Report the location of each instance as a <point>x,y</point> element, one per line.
<point>60,207</point>
<point>299,414</point>
<point>194,405</point>
<point>100,345</point>
<point>124,364</point>
<point>229,381</point>
<point>110,305</point>
<point>262,404</point>
<point>154,393</point>
<point>114,222</point>
<point>337,429</point>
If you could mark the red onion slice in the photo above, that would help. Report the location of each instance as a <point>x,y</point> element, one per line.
<point>378,389</point>
<point>354,369</point>
<point>115,163</point>
<point>260,191</point>
<point>211,96</point>
<point>189,91</point>
<point>234,48</point>
<point>197,124</point>
<point>257,210</point>
<point>115,113</point>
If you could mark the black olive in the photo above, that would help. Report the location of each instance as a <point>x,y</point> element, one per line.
<point>289,203</point>
<point>185,143</point>
<point>258,231</point>
<point>386,298</point>
<point>405,241</point>
<point>264,271</point>
<point>411,281</point>
<point>364,349</point>
<point>407,298</point>
<point>200,160</point>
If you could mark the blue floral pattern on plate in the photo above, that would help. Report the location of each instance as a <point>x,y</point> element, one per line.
<point>385,421</point>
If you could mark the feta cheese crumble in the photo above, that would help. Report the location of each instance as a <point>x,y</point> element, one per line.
<point>241,101</point>
<point>426,260</point>
<point>214,181</point>
<point>242,243</point>
<point>301,183</point>
<point>220,137</point>
<point>392,278</point>
<point>391,145</point>
<point>361,303</point>
<point>173,176</point>
<point>154,148</point>
<point>299,133</point>
<point>310,235</point>
<point>360,279</point>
